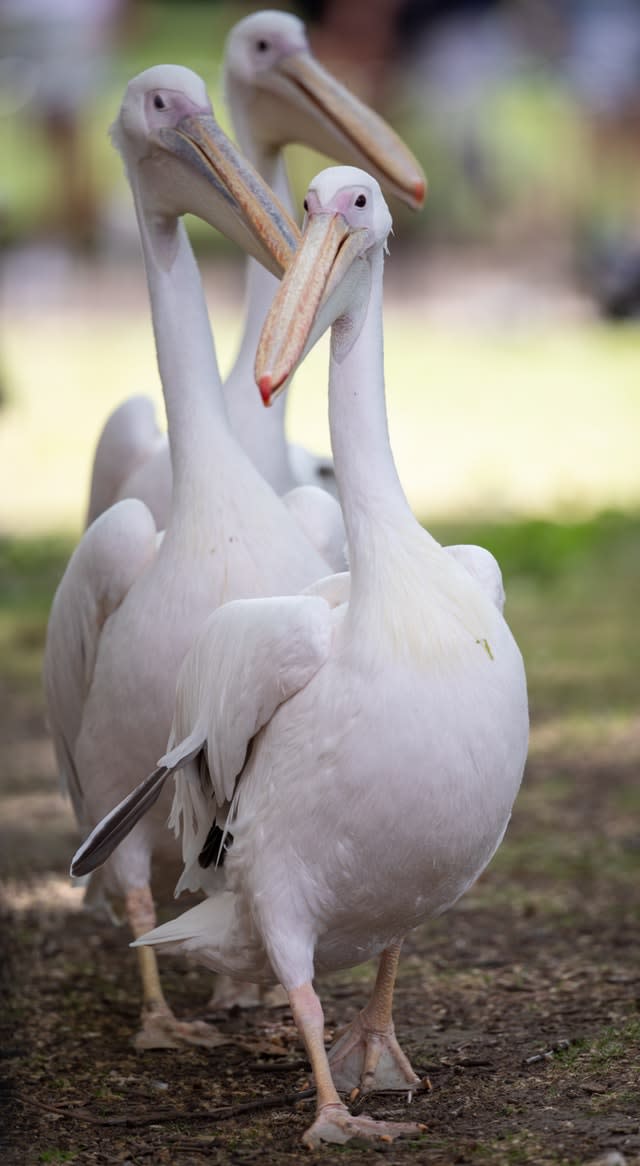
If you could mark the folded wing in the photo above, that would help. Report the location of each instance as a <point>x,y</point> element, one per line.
<point>250,657</point>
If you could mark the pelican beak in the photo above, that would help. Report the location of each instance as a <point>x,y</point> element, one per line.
<point>329,247</point>
<point>333,121</point>
<point>222,187</point>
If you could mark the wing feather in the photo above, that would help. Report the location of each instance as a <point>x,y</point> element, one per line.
<point>110,556</point>
<point>481,564</point>
<point>119,822</point>
<point>250,657</point>
<point>319,515</point>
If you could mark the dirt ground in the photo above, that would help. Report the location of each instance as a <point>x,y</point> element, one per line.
<point>525,1021</point>
<point>521,1006</point>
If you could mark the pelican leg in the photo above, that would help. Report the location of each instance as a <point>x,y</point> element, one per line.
<point>333,1122</point>
<point>365,1056</point>
<point>160,1029</point>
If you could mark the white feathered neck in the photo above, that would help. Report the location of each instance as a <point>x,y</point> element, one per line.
<point>402,582</point>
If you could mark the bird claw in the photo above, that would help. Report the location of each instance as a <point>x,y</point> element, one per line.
<point>336,1125</point>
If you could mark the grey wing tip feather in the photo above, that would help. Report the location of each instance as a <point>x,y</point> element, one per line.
<point>119,822</point>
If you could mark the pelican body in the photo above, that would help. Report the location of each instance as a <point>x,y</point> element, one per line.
<point>367,776</point>
<point>130,604</point>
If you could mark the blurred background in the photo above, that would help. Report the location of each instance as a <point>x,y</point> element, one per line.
<point>513,365</point>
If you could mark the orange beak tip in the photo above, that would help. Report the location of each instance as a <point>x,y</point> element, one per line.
<point>420,191</point>
<point>266,389</point>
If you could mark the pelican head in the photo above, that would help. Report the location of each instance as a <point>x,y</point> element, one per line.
<point>347,222</point>
<point>179,160</point>
<point>279,94</point>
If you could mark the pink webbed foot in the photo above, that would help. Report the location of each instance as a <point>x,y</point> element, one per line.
<point>162,1030</point>
<point>335,1124</point>
<point>369,1060</point>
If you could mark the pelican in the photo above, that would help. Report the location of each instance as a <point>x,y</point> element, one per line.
<point>353,753</point>
<point>277,93</point>
<point>130,603</point>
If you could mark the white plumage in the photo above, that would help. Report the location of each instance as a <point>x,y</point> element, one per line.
<point>377,790</point>
<point>277,93</point>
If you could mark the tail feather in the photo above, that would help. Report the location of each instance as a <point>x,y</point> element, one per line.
<point>214,933</point>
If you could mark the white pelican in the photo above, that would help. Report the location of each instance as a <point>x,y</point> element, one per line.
<point>365,755</point>
<point>129,605</point>
<point>277,93</point>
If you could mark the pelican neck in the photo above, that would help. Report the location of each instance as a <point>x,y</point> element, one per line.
<point>185,350</point>
<point>375,508</point>
<point>260,431</point>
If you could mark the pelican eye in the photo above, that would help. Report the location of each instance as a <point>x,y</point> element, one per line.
<point>262,46</point>
<point>159,102</point>
<point>306,205</point>
<point>361,200</point>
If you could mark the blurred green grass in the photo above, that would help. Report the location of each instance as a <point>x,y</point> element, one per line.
<point>484,420</point>
<point>572,591</point>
